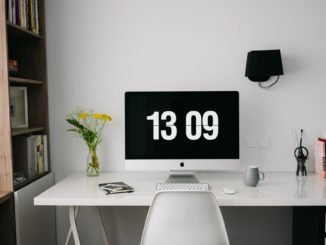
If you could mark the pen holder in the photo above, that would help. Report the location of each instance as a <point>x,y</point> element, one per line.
<point>301,167</point>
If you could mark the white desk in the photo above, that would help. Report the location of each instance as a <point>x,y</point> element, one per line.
<point>277,189</point>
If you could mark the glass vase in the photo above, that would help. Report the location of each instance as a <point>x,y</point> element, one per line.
<point>93,163</point>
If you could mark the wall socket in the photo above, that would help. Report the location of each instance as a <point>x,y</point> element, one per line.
<point>257,143</point>
<point>252,143</point>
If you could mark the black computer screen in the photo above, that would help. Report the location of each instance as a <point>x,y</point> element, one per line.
<point>182,125</point>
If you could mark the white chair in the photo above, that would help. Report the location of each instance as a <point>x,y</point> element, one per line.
<point>184,218</point>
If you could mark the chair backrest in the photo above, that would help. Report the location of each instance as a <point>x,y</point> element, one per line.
<point>184,218</point>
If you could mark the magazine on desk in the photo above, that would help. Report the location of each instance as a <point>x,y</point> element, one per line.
<point>116,187</point>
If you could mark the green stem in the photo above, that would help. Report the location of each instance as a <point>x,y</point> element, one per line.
<point>93,164</point>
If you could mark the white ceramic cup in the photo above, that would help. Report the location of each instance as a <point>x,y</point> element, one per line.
<point>252,175</point>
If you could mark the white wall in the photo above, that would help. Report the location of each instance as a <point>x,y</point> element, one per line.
<point>99,49</point>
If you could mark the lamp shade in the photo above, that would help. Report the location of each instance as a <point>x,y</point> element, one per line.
<point>261,64</point>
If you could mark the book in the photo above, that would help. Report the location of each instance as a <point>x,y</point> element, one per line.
<point>31,16</point>
<point>27,14</point>
<point>9,13</point>
<point>37,28</point>
<point>45,151</point>
<point>23,14</point>
<point>13,12</point>
<point>116,187</point>
<point>39,152</point>
<point>18,14</point>
<point>320,157</point>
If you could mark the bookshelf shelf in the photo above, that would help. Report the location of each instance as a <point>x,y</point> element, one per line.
<point>20,32</point>
<point>24,81</point>
<point>21,131</point>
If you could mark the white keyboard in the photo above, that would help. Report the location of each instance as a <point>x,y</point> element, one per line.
<point>182,187</point>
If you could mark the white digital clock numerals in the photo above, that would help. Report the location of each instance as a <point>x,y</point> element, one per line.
<point>208,122</point>
<point>202,123</point>
<point>170,118</point>
<point>213,128</point>
<point>197,132</point>
<point>156,125</point>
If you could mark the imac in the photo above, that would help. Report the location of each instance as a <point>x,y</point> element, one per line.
<point>182,131</point>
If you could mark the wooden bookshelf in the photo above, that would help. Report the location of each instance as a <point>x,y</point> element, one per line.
<point>29,50</point>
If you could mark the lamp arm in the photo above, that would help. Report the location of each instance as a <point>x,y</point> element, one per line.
<point>270,85</point>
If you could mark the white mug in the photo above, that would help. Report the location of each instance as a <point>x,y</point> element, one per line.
<point>252,175</point>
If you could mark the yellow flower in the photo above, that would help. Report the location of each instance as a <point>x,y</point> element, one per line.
<point>106,117</point>
<point>102,117</point>
<point>88,125</point>
<point>83,115</point>
<point>97,116</point>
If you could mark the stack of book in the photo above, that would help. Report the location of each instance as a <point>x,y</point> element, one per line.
<point>320,157</point>
<point>24,13</point>
<point>116,187</point>
<point>32,155</point>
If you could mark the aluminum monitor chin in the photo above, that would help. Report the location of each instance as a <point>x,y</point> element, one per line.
<point>188,130</point>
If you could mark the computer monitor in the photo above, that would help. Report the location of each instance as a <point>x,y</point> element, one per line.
<point>180,131</point>
<point>196,130</point>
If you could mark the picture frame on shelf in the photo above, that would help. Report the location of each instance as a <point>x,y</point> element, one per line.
<point>18,107</point>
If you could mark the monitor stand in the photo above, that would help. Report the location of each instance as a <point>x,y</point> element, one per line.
<point>182,177</point>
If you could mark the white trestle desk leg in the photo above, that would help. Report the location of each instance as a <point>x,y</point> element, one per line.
<point>73,212</point>
<point>100,219</point>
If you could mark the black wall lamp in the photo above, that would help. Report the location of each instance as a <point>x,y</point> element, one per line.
<point>262,64</point>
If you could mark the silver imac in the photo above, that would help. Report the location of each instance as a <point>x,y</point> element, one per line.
<point>182,131</point>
